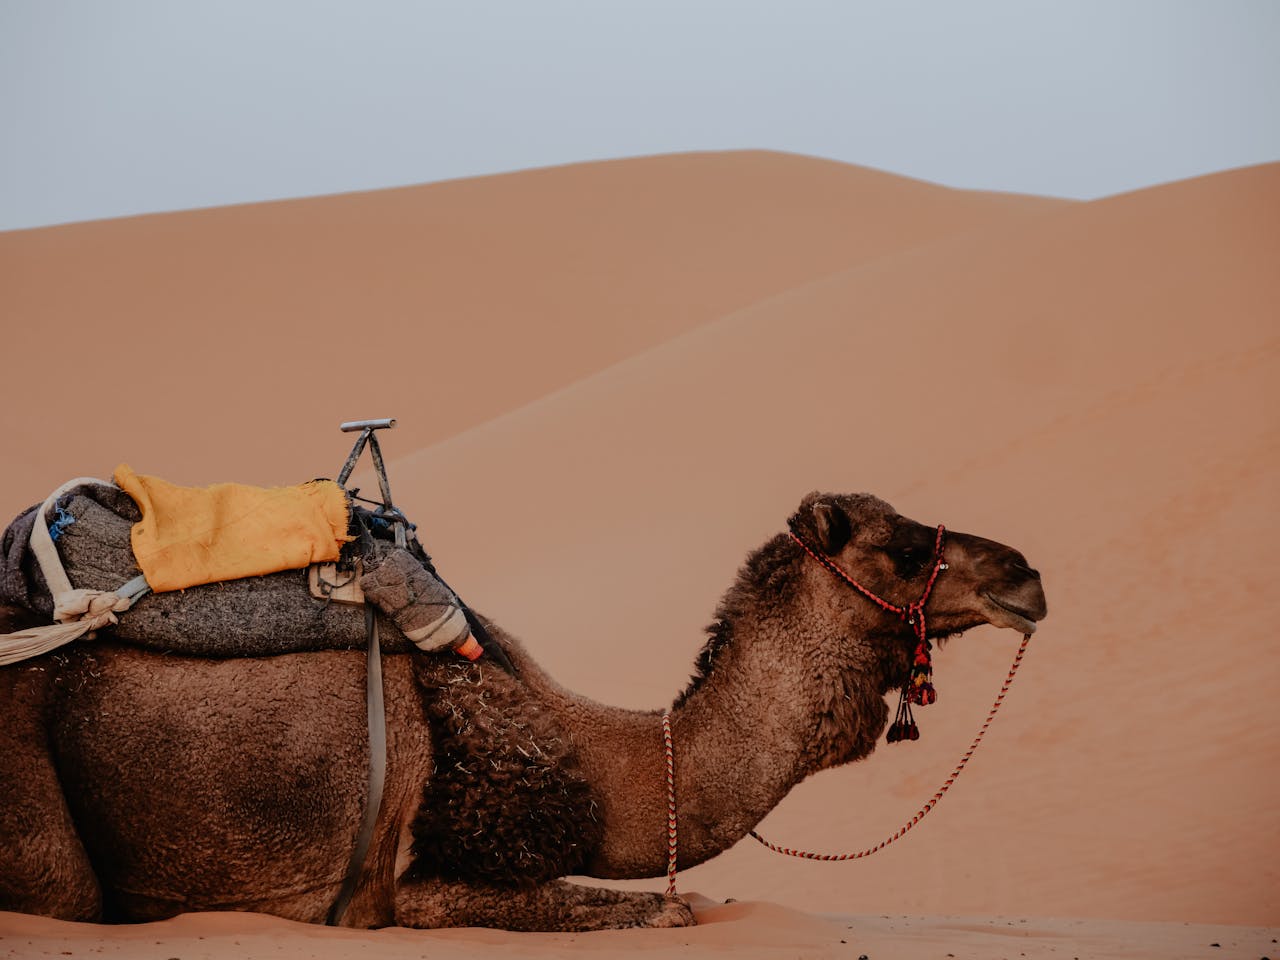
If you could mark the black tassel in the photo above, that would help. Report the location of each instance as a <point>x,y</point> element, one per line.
<point>904,722</point>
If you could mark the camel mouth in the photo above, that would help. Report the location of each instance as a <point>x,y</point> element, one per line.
<point>1010,614</point>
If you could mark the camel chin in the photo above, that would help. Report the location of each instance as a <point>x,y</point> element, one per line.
<point>1018,610</point>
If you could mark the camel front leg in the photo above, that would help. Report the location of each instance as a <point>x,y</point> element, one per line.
<point>557,906</point>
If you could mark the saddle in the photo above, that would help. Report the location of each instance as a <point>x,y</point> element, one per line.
<point>229,570</point>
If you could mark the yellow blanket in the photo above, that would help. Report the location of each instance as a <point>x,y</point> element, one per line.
<point>189,535</point>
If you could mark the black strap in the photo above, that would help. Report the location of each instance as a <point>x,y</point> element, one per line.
<point>377,769</point>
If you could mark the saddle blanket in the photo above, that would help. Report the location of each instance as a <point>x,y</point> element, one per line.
<point>190,536</point>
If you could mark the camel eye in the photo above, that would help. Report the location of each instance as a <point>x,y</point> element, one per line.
<point>907,562</point>
<point>905,555</point>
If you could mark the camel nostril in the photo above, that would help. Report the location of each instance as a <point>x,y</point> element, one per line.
<point>1022,567</point>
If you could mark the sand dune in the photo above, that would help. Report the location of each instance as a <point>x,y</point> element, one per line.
<point>689,345</point>
<point>1096,386</point>
<point>260,327</point>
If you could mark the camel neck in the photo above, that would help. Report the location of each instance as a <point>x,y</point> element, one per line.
<point>773,705</point>
<point>730,771</point>
<point>766,716</point>
<point>736,758</point>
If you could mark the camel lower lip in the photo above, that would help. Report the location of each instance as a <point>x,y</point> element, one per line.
<point>1025,623</point>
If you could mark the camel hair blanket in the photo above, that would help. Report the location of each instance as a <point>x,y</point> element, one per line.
<point>249,617</point>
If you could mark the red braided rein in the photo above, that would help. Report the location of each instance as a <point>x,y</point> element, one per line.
<point>788,851</point>
<point>918,688</point>
<point>672,837</point>
<point>913,613</point>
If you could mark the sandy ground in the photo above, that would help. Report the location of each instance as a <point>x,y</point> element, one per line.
<point>648,363</point>
<point>761,930</point>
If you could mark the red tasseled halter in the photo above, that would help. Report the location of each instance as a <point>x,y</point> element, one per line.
<point>918,690</point>
<point>919,686</point>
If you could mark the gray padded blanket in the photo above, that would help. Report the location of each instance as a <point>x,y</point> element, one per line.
<point>257,616</point>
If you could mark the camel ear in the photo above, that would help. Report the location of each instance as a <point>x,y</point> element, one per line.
<point>833,526</point>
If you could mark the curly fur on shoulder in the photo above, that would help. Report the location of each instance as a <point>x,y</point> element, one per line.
<point>506,803</point>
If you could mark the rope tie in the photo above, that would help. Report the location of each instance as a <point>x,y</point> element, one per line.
<point>79,613</point>
<point>94,608</point>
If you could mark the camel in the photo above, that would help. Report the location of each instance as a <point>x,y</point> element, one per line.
<point>135,785</point>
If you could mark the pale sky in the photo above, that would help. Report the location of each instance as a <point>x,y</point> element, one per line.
<point>117,107</point>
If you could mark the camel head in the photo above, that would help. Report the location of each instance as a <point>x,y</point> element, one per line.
<point>893,557</point>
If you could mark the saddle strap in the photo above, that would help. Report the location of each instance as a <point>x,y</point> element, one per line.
<point>78,612</point>
<point>377,770</point>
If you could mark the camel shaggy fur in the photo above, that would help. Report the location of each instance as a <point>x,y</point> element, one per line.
<point>135,785</point>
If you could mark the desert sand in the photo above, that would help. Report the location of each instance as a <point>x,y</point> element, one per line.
<point>649,362</point>
<point>723,930</point>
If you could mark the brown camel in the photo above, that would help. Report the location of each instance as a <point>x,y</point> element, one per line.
<point>134,786</point>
